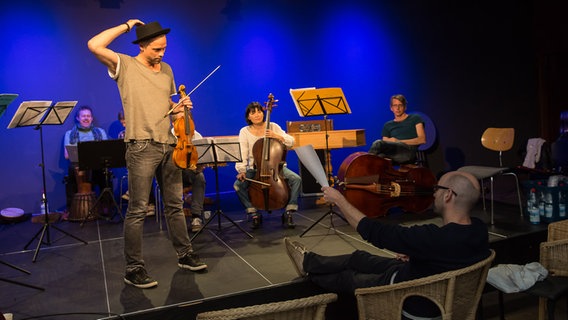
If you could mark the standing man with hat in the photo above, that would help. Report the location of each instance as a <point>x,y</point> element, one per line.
<point>146,85</point>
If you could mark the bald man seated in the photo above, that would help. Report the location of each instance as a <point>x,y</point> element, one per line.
<point>422,250</point>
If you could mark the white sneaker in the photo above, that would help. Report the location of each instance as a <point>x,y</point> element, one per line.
<point>296,252</point>
<point>196,224</point>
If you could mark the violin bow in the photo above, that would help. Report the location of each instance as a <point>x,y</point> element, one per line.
<point>197,86</point>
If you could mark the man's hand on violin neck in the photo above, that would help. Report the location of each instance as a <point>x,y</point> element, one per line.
<point>186,101</point>
<point>179,107</point>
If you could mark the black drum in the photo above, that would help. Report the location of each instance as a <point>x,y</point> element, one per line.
<point>80,206</point>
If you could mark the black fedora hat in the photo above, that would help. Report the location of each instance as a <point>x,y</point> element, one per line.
<point>148,31</point>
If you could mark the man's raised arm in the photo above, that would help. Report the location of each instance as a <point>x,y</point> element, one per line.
<point>98,44</point>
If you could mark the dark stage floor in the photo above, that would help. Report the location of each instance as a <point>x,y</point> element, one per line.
<point>86,281</point>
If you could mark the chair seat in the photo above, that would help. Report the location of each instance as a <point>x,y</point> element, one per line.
<point>551,288</point>
<point>482,172</point>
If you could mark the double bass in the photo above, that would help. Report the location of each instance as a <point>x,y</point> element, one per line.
<point>373,185</point>
<point>185,153</point>
<point>268,189</point>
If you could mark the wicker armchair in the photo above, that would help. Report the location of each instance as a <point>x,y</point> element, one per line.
<point>298,309</point>
<point>456,293</point>
<point>554,257</point>
<point>558,230</point>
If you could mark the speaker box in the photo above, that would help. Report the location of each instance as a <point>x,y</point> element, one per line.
<point>310,187</point>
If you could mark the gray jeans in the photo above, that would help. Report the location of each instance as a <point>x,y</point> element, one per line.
<point>196,180</point>
<point>146,159</point>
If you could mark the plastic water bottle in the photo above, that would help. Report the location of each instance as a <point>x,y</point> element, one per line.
<point>548,205</point>
<point>562,202</point>
<point>532,207</point>
<point>540,199</point>
<point>42,203</point>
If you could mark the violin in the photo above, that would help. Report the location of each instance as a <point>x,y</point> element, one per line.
<point>269,190</point>
<point>373,185</point>
<point>185,153</point>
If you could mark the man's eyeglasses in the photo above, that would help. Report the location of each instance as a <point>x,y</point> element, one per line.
<point>436,187</point>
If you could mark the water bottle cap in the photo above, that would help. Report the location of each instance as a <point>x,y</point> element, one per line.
<point>553,181</point>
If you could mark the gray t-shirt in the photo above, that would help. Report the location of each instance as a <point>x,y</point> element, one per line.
<point>145,96</point>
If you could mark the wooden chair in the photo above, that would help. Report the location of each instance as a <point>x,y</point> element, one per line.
<point>298,309</point>
<point>496,139</point>
<point>456,293</point>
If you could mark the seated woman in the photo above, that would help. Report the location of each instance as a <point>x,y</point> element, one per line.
<point>248,135</point>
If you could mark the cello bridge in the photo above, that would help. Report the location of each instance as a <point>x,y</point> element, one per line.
<point>395,190</point>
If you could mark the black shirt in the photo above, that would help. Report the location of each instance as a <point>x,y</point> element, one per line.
<point>431,249</point>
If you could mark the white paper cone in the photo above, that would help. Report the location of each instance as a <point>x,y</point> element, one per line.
<point>310,160</point>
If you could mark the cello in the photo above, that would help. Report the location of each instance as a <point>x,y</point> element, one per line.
<point>269,190</point>
<point>373,185</point>
<point>185,153</point>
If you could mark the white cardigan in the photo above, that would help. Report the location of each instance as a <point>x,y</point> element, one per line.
<point>247,141</point>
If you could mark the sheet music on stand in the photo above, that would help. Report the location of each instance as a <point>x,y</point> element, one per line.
<point>227,149</point>
<point>5,100</point>
<point>32,113</point>
<point>29,113</point>
<point>218,150</point>
<point>317,102</point>
<point>61,111</point>
<point>38,114</point>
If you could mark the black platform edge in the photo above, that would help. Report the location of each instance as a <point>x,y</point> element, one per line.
<point>344,308</point>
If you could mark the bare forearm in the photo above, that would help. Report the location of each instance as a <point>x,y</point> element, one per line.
<point>98,44</point>
<point>352,214</point>
<point>103,39</point>
<point>413,141</point>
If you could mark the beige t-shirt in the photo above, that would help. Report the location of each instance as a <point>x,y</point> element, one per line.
<point>145,96</point>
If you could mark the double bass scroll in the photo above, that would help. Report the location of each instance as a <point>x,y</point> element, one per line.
<point>373,185</point>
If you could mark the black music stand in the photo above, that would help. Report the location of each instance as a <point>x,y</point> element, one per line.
<point>317,102</point>
<point>218,151</point>
<point>38,114</point>
<point>5,100</point>
<point>103,154</point>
